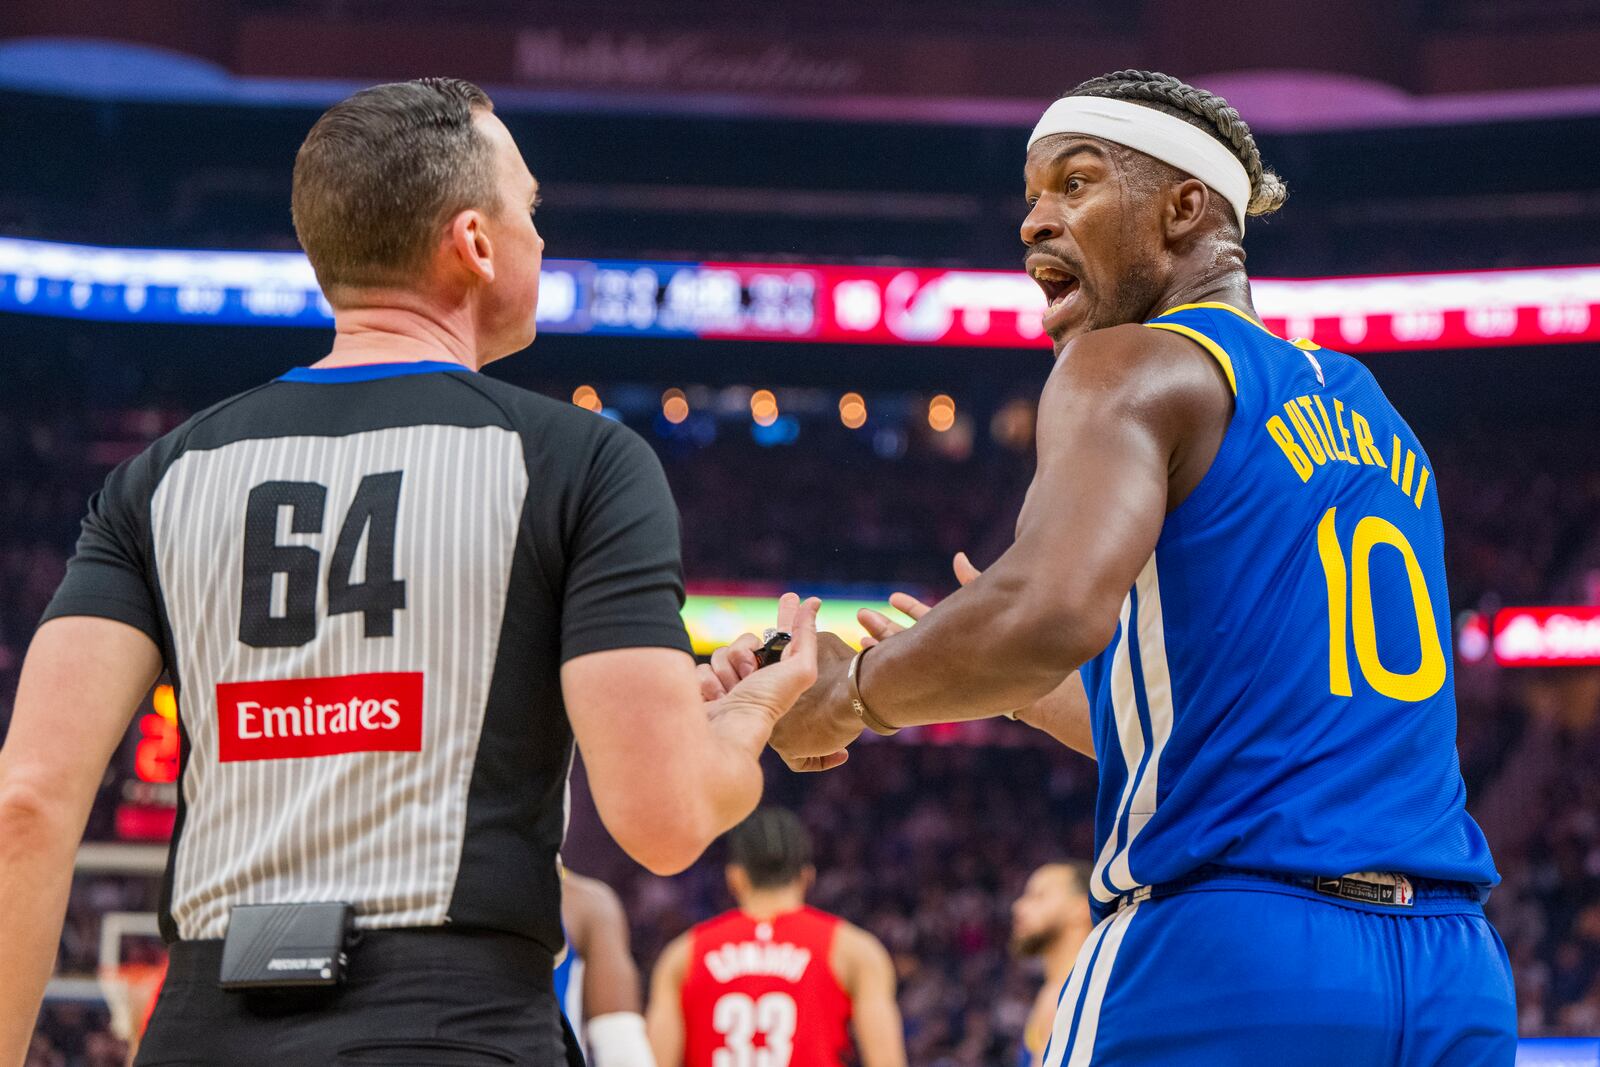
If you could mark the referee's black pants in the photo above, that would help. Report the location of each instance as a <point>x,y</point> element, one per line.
<point>439,998</point>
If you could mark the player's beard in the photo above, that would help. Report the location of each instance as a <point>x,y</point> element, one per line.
<point>1027,946</point>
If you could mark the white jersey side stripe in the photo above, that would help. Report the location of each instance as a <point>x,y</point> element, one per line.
<point>1130,738</point>
<point>1067,1003</point>
<point>1157,681</point>
<point>1094,999</point>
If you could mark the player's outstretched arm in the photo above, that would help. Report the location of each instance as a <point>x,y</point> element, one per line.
<point>866,972</point>
<point>598,929</point>
<point>1124,409</point>
<point>664,1020</point>
<point>81,681</point>
<point>1063,713</point>
<point>669,772</point>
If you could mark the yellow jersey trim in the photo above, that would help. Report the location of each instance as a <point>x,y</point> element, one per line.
<point>1204,342</point>
<point>1305,345</point>
<point>1217,305</point>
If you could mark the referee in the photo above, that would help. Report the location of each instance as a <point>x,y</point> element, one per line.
<point>390,593</point>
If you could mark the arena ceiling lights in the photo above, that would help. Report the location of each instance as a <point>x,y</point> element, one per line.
<point>802,302</point>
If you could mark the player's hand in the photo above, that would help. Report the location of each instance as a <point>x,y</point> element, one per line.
<point>774,690</point>
<point>879,625</point>
<point>820,727</point>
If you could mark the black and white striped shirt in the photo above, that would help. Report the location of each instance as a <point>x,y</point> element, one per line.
<point>364,581</point>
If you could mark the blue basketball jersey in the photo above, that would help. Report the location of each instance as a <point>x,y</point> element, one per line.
<point>1279,695</point>
<point>569,982</point>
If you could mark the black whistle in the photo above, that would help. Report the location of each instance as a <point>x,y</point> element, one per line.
<point>771,651</point>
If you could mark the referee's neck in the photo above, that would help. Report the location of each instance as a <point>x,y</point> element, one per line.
<point>402,332</point>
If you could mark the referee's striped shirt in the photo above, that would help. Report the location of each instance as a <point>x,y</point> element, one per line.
<point>364,581</point>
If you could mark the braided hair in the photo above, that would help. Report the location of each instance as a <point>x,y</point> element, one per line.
<point>1201,109</point>
<point>772,846</point>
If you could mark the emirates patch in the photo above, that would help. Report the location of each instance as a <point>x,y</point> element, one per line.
<point>305,717</point>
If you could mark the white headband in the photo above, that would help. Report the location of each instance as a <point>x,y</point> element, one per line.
<point>1155,133</point>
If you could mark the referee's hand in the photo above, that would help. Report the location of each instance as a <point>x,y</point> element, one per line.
<point>731,682</point>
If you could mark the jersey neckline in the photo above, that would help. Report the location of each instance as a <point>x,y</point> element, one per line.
<point>367,372</point>
<point>1217,305</point>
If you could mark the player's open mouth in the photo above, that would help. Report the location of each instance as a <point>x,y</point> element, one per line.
<point>1059,285</point>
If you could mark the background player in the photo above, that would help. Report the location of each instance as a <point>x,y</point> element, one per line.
<point>597,982</point>
<point>1049,922</point>
<point>773,973</point>
<point>1236,539</point>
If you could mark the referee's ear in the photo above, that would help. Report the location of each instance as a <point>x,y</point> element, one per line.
<point>470,245</point>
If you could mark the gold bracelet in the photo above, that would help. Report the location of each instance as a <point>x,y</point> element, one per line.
<point>864,713</point>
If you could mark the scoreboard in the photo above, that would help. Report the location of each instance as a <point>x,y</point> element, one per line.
<point>147,799</point>
<point>803,302</point>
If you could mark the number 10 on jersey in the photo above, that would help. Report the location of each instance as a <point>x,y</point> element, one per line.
<point>1350,612</point>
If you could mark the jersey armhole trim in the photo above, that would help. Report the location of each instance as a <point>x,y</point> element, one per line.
<point>1206,343</point>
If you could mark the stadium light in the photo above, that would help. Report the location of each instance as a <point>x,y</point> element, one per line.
<point>853,411</point>
<point>674,406</point>
<point>764,407</point>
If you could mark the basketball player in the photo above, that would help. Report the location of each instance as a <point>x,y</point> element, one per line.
<point>597,982</point>
<point>774,981</point>
<point>1049,922</point>
<point>390,592</point>
<point>1235,540</point>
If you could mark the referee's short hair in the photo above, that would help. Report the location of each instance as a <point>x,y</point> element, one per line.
<point>772,846</point>
<point>380,172</point>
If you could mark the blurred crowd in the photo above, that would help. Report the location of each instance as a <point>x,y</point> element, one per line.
<point>926,843</point>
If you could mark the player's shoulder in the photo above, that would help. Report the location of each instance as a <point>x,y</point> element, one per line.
<point>856,940</point>
<point>817,917</point>
<point>1125,354</point>
<point>590,890</point>
<point>676,956</point>
<point>857,953</point>
<point>586,902</point>
<point>1346,366</point>
<point>1131,368</point>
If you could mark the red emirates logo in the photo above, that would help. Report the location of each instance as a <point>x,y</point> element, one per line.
<point>304,717</point>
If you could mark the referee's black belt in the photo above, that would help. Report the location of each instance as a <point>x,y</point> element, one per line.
<point>491,953</point>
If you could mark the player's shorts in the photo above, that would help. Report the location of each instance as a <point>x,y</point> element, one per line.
<point>1247,969</point>
<point>425,997</point>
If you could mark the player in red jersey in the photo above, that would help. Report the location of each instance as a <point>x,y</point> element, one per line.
<point>774,983</point>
